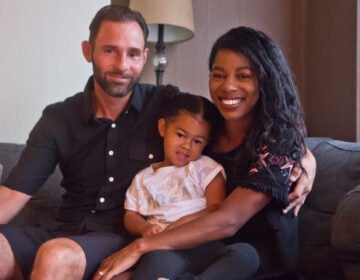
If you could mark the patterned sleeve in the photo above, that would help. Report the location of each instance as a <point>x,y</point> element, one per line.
<point>270,174</point>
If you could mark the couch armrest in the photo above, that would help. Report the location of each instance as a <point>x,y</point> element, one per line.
<point>345,233</point>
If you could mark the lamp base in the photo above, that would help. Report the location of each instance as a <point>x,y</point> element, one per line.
<point>159,77</point>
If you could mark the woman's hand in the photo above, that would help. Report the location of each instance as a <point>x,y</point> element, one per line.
<point>118,262</point>
<point>304,183</point>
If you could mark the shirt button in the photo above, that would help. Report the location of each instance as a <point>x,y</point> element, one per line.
<point>111,179</point>
<point>102,199</point>
<point>111,153</point>
<point>151,156</point>
<point>113,125</point>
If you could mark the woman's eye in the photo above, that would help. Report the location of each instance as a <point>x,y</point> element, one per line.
<point>244,76</point>
<point>216,76</point>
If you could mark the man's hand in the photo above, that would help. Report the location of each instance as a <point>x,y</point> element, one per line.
<point>118,262</point>
<point>304,183</point>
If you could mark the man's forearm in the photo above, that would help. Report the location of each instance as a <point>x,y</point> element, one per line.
<point>11,202</point>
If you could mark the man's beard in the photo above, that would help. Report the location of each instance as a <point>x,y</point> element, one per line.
<point>112,88</point>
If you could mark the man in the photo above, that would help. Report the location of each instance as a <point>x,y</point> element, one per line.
<point>100,138</point>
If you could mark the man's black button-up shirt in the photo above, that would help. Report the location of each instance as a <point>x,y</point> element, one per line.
<point>98,157</point>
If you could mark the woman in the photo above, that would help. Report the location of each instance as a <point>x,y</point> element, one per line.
<point>260,141</point>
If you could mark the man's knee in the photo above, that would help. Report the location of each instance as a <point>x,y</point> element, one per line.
<point>61,251</point>
<point>59,258</point>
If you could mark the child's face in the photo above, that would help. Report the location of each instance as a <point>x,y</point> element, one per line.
<point>184,138</point>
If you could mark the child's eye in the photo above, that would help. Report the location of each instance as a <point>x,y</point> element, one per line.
<point>198,141</point>
<point>180,135</point>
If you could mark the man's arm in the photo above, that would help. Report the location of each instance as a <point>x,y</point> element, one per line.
<point>11,202</point>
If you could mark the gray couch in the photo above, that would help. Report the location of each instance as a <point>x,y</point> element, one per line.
<point>329,222</point>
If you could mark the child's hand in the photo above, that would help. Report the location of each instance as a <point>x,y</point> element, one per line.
<point>151,229</point>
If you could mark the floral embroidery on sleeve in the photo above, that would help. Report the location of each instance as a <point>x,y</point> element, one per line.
<point>270,174</point>
<point>266,160</point>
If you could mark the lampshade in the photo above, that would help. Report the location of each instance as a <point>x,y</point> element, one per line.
<point>175,15</point>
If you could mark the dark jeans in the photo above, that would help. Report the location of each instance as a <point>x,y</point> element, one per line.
<point>210,261</point>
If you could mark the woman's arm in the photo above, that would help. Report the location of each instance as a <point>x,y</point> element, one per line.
<point>237,209</point>
<point>304,184</point>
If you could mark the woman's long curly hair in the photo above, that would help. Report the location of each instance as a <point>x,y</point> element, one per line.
<point>279,120</point>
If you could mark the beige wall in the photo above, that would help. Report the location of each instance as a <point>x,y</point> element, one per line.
<point>188,60</point>
<point>41,60</point>
<point>318,38</point>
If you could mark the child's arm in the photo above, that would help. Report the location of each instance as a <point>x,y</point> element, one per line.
<point>137,225</point>
<point>215,194</point>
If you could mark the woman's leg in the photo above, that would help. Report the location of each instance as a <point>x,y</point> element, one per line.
<point>236,261</point>
<point>160,263</point>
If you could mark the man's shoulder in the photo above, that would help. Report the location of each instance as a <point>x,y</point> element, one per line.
<point>71,101</point>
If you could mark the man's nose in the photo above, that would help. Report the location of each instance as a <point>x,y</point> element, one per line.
<point>121,63</point>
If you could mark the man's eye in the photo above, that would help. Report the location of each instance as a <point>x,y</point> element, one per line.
<point>134,55</point>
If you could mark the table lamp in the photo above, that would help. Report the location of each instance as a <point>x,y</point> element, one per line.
<point>169,21</point>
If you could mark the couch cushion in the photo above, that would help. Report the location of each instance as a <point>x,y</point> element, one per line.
<point>338,171</point>
<point>44,205</point>
<point>1,171</point>
<point>9,155</point>
<point>345,234</point>
<point>312,142</point>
